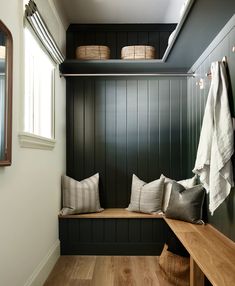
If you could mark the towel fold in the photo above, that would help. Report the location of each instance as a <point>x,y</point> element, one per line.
<point>215,149</point>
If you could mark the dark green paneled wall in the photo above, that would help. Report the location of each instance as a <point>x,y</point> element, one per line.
<point>118,127</point>
<point>204,21</point>
<point>224,217</point>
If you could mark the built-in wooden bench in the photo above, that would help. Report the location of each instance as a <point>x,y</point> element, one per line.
<point>120,232</point>
<point>211,253</point>
<point>112,232</point>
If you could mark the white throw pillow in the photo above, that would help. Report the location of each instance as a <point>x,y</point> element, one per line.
<point>80,196</point>
<point>187,183</point>
<point>146,198</point>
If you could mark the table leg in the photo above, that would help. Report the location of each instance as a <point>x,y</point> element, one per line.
<point>197,277</point>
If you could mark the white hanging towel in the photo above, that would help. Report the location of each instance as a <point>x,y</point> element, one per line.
<point>215,149</point>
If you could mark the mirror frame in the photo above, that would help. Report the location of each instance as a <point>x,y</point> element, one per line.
<point>8,97</point>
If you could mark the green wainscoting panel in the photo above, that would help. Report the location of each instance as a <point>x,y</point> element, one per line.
<point>120,127</point>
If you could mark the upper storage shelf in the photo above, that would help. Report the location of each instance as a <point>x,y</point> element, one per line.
<point>115,36</point>
<point>117,67</point>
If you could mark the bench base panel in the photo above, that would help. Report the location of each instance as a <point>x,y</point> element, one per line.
<point>112,236</point>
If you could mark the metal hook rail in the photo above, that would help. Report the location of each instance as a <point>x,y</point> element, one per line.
<point>127,74</point>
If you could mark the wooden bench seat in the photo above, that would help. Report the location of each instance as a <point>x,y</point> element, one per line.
<point>113,213</point>
<point>211,253</point>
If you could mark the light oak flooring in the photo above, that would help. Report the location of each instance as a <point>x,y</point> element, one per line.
<point>107,271</point>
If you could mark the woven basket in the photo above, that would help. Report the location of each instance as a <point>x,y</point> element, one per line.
<point>92,53</point>
<point>138,53</point>
<point>175,268</point>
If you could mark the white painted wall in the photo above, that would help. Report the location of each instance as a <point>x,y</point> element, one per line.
<point>30,188</point>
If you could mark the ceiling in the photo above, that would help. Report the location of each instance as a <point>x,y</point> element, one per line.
<point>121,11</point>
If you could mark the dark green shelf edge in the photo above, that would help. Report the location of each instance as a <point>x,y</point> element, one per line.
<point>118,67</point>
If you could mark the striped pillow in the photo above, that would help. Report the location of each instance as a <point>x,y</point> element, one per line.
<point>146,198</point>
<point>80,197</point>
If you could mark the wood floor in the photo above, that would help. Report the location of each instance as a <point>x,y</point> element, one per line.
<point>107,271</point>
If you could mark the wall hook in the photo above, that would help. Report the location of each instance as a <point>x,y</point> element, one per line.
<point>201,83</point>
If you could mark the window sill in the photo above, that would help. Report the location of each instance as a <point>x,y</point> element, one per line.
<point>28,140</point>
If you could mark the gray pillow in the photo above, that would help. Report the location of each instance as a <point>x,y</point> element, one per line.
<point>80,197</point>
<point>186,204</point>
<point>187,183</point>
<point>146,198</point>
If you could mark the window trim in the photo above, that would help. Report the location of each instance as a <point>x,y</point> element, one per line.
<point>30,140</point>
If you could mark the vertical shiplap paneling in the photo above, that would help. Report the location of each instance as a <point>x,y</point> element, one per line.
<point>134,231</point>
<point>79,130</point>
<point>85,230</point>
<point>197,117</point>
<point>143,38</point>
<point>192,124</point>
<point>154,40</point>
<point>194,119</point>
<point>70,85</point>
<point>90,38</point>
<point>71,41</point>
<point>164,36</point>
<point>113,236</point>
<point>147,231</point>
<point>110,139</point>
<point>121,143</point>
<point>132,38</point>
<point>122,230</point>
<point>192,127</point>
<point>183,129</point>
<point>100,131</point>
<point>132,131</point>
<point>79,39</point>
<point>143,130</point>
<point>189,145</point>
<point>122,40</point>
<point>98,230</point>
<point>121,127</point>
<point>100,38</point>
<point>111,42</point>
<point>89,132</point>
<point>175,128</point>
<point>164,126</point>
<point>153,122</point>
<point>110,230</point>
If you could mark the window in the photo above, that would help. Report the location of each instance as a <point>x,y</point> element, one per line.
<point>39,89</point>
<point>41,57</point>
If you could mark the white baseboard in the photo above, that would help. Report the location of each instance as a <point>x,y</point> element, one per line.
<point>44,268</point>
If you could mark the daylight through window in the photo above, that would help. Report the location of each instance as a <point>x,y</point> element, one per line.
<point>39,89</point>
